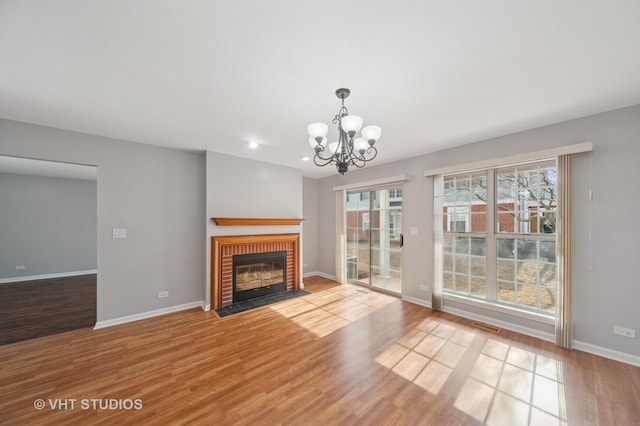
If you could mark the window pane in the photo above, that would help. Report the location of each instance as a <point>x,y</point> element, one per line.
<point>529,194</point>
<point>461,283</point>
<point>462,264</point>
<point>478,246</point>
<point>468,263</point>
<point>526,249</point>
<point>548,251</point>
<point>506,220</point>
<point>447,262</point>
<point>548,275</point>
<point>528,296</point>
<point>527,272</point>
<point>462,245</point>
<point>478,287</point>
<point>506,270</point>
<point>548,300</point>
<point>448,244</point>
<point>447,281</point>
<point>352,219</point>
<point>506,292</point>
<point>478,220</point>
<point>506,249</point>
<point>478,266</point>
<point>465,203</point>
<point>535,277</point>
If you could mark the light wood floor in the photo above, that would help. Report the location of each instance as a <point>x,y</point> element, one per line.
<point>337,356</point>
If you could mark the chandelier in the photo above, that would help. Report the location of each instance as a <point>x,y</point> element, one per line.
<point>348,149</point>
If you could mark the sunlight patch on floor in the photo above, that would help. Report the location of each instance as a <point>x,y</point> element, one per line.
<point>507,385</point>
<point>324,312</point>
<point>427,354</point>
<point>512,386</point>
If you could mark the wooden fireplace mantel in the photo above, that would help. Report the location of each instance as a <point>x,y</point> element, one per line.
<point>256,221</point>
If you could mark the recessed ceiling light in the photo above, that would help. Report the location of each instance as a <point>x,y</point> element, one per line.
<point>253,144</point>
<point>304,158</point>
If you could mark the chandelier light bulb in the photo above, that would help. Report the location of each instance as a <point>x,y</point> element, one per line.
<point>371,134</point>
<point>360,145</point>
<point>318,130</point>
<point>333,147</point>
<point>351,124</point>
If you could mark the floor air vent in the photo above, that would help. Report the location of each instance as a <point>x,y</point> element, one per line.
<point>485,327</point>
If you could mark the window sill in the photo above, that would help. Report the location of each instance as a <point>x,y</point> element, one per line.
<point>545,319</point>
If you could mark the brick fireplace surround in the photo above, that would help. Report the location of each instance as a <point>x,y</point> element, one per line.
<point>223,248</point>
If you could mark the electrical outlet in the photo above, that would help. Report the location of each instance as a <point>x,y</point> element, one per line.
<point>162,294</point>
<point>119,233</point>
<point>424,287</point>
<point>20,267</point>
<point>623,331</point>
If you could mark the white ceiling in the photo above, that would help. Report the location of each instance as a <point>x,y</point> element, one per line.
<point>211,75</point>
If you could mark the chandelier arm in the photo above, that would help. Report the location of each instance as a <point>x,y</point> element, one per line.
<point>358,162</point>
<point>326,160</point>
<point>320,151</point>
<point>370,150</point>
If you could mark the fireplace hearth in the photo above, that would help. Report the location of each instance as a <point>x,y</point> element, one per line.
<point>259,274</point>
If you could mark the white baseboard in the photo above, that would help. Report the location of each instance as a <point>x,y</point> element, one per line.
<point>502,324</point>
<point>46,276</point>
<point>607,353</point>
<point>321,274</point>
<point>581,346</point>
<point>149,314</point>
<point>416,301</point>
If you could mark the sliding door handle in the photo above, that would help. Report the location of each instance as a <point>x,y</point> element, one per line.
<point>401,240</point>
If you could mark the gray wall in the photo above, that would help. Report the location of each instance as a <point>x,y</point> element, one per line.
<point>310,224</point>
<point>606,290</point>
<point>239,187</point>
<point>48,225</point>
<point>156,193</point>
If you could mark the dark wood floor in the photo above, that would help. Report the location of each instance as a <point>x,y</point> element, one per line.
<point>31,309</point>
<point>337,356</point>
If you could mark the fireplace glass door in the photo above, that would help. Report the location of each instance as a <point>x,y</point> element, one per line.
<point>258,274</point>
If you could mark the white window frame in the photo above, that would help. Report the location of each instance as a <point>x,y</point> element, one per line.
<point>492,234</point>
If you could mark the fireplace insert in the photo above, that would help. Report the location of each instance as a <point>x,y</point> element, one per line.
<point>259,274</point>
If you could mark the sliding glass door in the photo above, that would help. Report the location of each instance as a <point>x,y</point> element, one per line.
<point>374,238</point>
